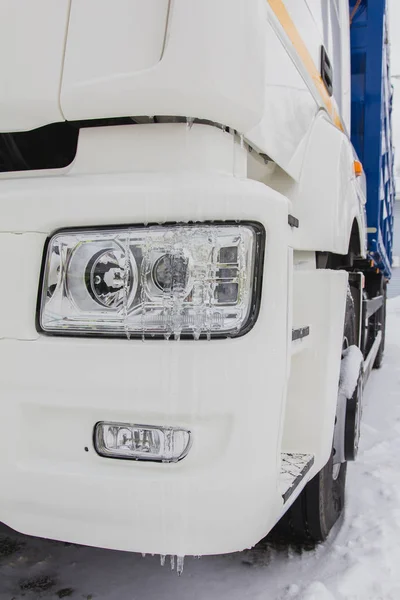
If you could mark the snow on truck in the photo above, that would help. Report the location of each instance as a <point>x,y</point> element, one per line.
<point>198,196</point>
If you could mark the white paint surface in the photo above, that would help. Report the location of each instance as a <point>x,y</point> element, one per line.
<point>32,36</point>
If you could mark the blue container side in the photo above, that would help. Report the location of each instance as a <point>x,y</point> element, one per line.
<point>371,129</point>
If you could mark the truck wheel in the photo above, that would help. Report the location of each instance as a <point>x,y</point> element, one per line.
<point>313,514</point>
<point>380,325</point>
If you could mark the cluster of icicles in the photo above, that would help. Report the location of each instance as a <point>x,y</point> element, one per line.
<point>179,562</point>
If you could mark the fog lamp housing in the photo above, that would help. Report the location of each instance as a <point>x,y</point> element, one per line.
<point>141,442</point>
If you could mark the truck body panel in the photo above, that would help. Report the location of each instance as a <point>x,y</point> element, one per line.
<point>159,61</point>
<point>32,42</point>
<point>105,65</point>
<point>186,503</point>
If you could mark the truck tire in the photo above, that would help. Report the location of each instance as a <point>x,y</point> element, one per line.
<point>380,325</point>
<point>313,514</point>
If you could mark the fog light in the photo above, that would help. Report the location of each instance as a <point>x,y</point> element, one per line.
<point>141,442</point>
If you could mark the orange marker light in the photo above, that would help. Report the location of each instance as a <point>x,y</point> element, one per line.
<point>358,168</point>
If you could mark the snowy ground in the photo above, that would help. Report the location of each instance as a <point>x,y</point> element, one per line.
<point>361,561</point>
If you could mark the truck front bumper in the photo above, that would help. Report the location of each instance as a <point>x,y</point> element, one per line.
<point>224,496</point>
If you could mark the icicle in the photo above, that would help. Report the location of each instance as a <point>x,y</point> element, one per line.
<point>167,298</point>
<point>126,286</point>
<point>242,141</point>
<point>144,272</point>
<point>169,445</point>
<point>162,559</point>
<point>172,559</point>
<point>189,123</point>
<point>178,291</point>
<point>179,564</point>
<point>143,555</point>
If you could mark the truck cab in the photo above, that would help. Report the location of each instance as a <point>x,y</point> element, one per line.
<point>197,306</point>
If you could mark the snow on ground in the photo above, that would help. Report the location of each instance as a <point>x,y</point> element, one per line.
<point>360,561</point>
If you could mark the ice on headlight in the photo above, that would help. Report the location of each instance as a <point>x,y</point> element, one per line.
<point>150,281</point>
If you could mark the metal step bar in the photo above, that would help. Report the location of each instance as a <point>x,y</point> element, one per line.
<point>372,306</point>
<point>369,361</point>
<point>294,467</point>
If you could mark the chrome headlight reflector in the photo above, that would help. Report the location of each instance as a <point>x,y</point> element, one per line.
<point>170,280</point>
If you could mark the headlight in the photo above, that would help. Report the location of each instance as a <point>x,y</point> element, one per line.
<point>153,281</point>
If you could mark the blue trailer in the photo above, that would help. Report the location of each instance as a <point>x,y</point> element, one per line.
<point>371,128</point>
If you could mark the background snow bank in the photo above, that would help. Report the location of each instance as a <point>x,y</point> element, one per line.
<point>360,561</point>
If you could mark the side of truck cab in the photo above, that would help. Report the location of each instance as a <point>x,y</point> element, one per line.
<point>191,308</point>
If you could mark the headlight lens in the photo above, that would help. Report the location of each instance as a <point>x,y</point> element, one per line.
<point>105,278</point>
<point>149,281</point>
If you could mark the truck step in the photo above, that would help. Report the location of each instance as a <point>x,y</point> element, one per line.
<point>294,467</point>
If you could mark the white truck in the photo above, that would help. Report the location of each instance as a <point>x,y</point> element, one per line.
<point>193,306</point>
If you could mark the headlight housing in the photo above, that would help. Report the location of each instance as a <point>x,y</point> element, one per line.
<point>155,281</point>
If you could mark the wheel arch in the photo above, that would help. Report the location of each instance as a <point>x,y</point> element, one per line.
<point>328,199</point>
